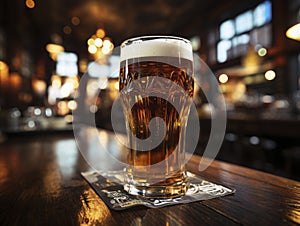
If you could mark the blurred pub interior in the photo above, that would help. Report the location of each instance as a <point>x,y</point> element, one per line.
<point>47,46</point>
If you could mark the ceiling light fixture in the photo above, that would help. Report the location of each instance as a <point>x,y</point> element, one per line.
<point>294,32</point>
<point>100,46</point>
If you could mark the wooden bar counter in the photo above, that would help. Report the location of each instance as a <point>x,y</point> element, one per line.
<point>40,184</point>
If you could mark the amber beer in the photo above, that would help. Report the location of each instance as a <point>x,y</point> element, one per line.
<point>157,171</point>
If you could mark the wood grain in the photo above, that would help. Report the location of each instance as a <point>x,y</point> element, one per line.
<point>40,184</point>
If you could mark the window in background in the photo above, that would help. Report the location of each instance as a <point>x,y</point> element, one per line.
<point>262,14</point>
<point>239,45</point>
<point>251,27</point>
<point>222,50</point>
<point>67,64</point>
<point>244,22</point>
<point>227,30</point>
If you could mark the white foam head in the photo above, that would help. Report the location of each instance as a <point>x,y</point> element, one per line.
<point>156,46</point>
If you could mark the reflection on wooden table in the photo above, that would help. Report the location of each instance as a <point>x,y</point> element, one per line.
<point>40,184</point>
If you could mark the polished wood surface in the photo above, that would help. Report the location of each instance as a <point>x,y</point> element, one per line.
<point>40,184</point>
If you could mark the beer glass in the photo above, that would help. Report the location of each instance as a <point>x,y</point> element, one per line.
<point>156,89</point>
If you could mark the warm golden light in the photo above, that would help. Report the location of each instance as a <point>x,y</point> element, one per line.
<point>72,105</point>
<point>30,4</point>
<point>116,85</point>
<point>92,49</point>
<point>83,65</point>
<point>3,66</point>
<point>294,32</point>
<point>93,212</point>
<point>98,42</point>
<point>56,81</point>
<point>4,75</point>
<point>100,33</point>
<point>105,50</point>
<point>54,50</point>
<point>223,78</point>
<point>69,118</point>
<point>270,75</point>
<point>74,81</point>
<point>111,47</point>
<point>66,90</point>
<point>62,108</point>
<point>100,46</point>
<point>39,86</point>
<point>106,42</point>
<point>15,81</point>
<point>91,41</point>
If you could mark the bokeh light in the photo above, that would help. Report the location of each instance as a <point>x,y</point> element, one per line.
<point>223,78</point>
<point>270,75</point>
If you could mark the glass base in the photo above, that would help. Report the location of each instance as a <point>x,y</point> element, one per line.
<point>159,191</point>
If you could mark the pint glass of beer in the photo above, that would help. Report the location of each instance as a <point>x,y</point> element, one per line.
<point>156,90</point>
